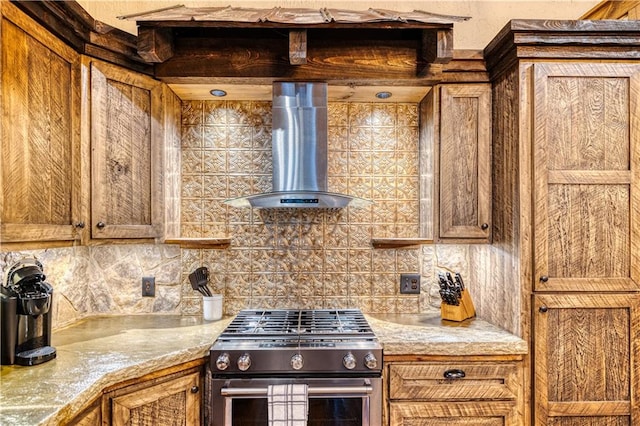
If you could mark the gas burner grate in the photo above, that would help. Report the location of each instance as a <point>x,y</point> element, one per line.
<point>314,322</point>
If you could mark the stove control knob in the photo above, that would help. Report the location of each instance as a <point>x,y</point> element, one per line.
<point>297,361</point>
<point>223,361</point>
<point>244,362</point>
<point>370,361</point>
<point>349,361</point>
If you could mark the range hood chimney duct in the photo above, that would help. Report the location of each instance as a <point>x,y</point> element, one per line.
<point>299,150</point>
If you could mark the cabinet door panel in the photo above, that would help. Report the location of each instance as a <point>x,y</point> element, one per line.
<point>126,141</point>
<point>39,144</point>
<point>586,357</point>
<point>465,162</point>
<point>586,177</point>
<point>169,403</point>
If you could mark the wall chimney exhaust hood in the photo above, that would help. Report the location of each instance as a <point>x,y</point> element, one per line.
<point>299,139</point>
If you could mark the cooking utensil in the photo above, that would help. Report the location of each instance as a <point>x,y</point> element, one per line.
<point>199,280</point>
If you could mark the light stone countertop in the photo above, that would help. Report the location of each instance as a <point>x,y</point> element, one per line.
<point>428,334</point>
<point>95,353</point>
<point>98,352</point>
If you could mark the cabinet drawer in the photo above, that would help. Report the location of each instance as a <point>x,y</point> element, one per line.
<point>438,381</point>
<point>501,413</point>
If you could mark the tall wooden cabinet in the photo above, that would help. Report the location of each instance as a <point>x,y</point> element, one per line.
<point>586,173</point>
<point>567,168</point>
<point>39,137</point>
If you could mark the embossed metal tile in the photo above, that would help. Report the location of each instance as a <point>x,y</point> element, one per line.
<point>297,258</point>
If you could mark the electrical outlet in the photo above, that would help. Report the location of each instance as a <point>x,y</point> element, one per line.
<point>148,286</point>
<point>410,283</point>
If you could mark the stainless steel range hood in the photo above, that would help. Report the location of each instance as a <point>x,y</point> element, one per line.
<point>299,139</point>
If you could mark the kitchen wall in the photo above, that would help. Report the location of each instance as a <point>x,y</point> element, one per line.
<point>90,280</point>
<point>277,259</point>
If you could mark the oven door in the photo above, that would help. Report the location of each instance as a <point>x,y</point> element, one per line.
<point>332,401</point>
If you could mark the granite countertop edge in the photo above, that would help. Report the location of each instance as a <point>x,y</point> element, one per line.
<point>399,335</point>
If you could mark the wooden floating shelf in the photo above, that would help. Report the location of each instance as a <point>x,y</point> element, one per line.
<point>200,243</point>
<point>388,243</point>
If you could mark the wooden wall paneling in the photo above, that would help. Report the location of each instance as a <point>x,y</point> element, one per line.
<point>40,133</point>
<point>497,266</point>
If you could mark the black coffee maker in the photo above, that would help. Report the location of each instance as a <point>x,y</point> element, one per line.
<point>26,315</point>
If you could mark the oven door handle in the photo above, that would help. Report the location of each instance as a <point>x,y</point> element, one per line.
<point>321,390</point>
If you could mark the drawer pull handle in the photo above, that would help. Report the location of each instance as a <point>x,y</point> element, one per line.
<point>454,374</point>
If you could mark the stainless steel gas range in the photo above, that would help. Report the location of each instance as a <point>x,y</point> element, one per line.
<point>333,353</point>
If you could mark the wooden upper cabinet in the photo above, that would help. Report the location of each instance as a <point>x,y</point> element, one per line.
<point>126,153</point>
<point>586,175</point>
<point>463,152</point>
<point>39,143</point>
<point>586,359</point>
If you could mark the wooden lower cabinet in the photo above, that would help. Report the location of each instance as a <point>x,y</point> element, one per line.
<point>482,393</point>
<point>171,400</point>
<point>92,416</point>
<point>453,414</point>
<point>586,359</point>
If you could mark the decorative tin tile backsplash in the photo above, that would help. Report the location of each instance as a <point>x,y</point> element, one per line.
<point>301,258</point>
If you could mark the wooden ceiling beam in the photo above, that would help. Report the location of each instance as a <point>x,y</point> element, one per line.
<point>436,47</point>
<point>155,45</point>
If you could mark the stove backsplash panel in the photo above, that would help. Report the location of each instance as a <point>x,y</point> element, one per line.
<point>303,258</point>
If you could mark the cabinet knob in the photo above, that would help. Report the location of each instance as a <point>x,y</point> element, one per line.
<point>544,278</point>
<point>194,389</point>
<point>101,225</point>
<point>484,226</point>
<point>454,374</point>
<point>79,225</point>
<point>543,309</point>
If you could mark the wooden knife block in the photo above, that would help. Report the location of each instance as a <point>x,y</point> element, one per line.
<point>460,312</point>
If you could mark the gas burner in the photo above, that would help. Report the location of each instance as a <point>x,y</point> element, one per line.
<point>322,341</point>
